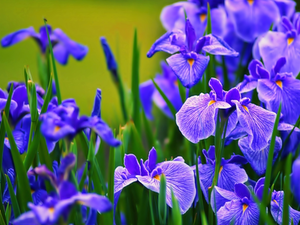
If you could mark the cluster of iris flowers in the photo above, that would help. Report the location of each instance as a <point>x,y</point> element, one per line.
<point>230,92</point>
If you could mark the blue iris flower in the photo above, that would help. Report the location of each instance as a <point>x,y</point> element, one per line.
<point>295,176</point>
<point>247,17</point>
<point>197,117</point>
<point>168,84</point>
<point>63,46</point>
<point>230,172</point>
<point>179,178</point>
<point>282,43</point>
<point>60,205</point>
<point>189,65</point>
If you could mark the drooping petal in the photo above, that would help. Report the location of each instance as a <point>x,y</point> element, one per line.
<point>188,71</point>
<point>18,36</point>
<point>26,218</point>
<point>284,91</point>
<point>61,53</point>
<point>258,159</point>
<point>247,17</point>
<point>197,117</point>
<point>257,122</point>
<point>277,209</point>
<point>216,46</point>
<point>121,180</point>
<point>179,178</point>
<point>220,196</point>
<point>164,43</point>
<point>234,212</point>
<point>94,201</point>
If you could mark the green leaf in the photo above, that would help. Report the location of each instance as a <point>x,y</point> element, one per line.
<point>54,66</point>
<point>32,150</point>
<point>135,83</point>
<point>270,160</point>
<point>162,207</point>
<point>209,29</point>
<point>22,181</point>
<point>176,215</point>
<point>149,132</point>
<point>137,145</point>
<point>42,71</point>
<point>2,221</point>
<point>287,188</point>
<point>151,208</point>
<point>111,175</point>
<point>13,198</point>
<point>182,91</point>
<point>170,105</point>
<point>7,212</point>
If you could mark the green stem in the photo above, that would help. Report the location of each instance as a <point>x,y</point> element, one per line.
<point>151,208</point>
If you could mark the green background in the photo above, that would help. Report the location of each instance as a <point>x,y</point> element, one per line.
<point>85,22</point>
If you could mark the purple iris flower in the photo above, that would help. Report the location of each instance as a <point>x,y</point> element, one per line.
<point>282,43</point>
<point>173,17</point>
<point>64,121</point>
<point>179,178</point>
<point>230,172</point>
<point>212,3</point>
<point>197,117</point>
<point>258,159</point>
<point>168,84</point>
<point>274,88</point>
<point>247,17</point>
<point>277,209</point>
<point>237,207</point>
<point>6,196</point>
<point>60,205</point>
<point>63,46</point>
<point>189,65</point>
<point>295,177</point>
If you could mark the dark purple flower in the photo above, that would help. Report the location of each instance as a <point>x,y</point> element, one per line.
<point>63,46</point>
<point>230,172</point>
<point>282,43</point>
<point>189,65</point>
<point>247,15</point>
<point>179,178</point>
<point>168,84</point>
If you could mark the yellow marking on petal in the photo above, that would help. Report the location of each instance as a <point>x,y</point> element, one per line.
<point>191,61</point>
<point>80,202</point>
<point>245,206</point>
<point>221,168</point>
<point>51,210</point>
<point>279,83</point>
<point>290,40</point>
<point>176,83</point>
<point>246,108</point>
<point>32,191</point>
<point>211,102</point>
<point>250,2</point>
<point>202,17</point>
<point>56,128</point>
<point>209,187</point>
<point>6,138</point>
<point>275,202</point>
<point>157,177</point>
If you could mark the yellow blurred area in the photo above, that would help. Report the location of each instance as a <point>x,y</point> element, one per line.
<point>85,22</point>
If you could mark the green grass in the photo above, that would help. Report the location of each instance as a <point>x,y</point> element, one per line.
<point>85,22</point>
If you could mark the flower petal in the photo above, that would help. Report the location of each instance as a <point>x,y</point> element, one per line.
<point>94,201</point>
<point>18,36</point>
<point>216,46</point>
<point>219,197</point>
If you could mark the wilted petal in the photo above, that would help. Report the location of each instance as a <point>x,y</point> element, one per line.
<point>179,178</point>
<point>257,122</point>
<point>197,117</point>
<point>188,71</point>
<point>258,159</point>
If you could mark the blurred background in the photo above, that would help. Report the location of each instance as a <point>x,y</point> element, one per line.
<point>84,22</point>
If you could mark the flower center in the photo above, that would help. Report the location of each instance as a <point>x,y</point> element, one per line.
<point>202,17</point>
<point>279,83</point>
<point>275,202</point>
<point>245,206</point>
<point>51,210</point>
<point>246,108</point>
<point>211,102</point>
<point>191,61</point>
<point>221,168</point>
<point>290,41</point>
<point>56,128</point>
<point>250,2</point>
<point>157,177</point>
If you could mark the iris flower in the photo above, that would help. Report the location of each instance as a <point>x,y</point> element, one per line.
<point>189,65</point>
<point>167,82</point>
<point>282,43</point>
<point>229,174</point>
<point>63,46</point>
<point>295,177</point>
<point>179,178</point>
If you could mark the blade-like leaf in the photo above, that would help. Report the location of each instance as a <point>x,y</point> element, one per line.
<point>22,181</point>
<point>176,215</point>
<point>287,188</point>
<point>162,207</point>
